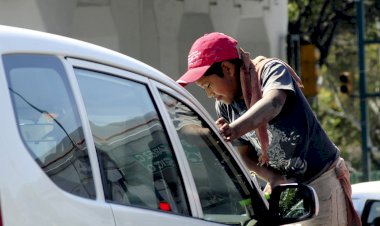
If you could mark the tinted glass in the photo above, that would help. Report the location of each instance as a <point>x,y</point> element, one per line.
<point>374,213</point>
<point>222,189</point>
<point>48,120</point>
<point>137,162</point>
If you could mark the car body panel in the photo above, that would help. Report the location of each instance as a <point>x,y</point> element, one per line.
<point>123,217</point>
<point>363,195</point>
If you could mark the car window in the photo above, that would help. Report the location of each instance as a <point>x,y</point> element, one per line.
<point>48,120</point>
<point>373,213</point>
<point>356,203</point>
<point>224,193</point>
<point>137,163</point>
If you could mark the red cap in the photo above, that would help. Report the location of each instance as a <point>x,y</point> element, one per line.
<point>208,49</point>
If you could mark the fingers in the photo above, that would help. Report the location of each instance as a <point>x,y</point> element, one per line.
<point>224,129</point>
<point>220,122</point>
<point>267,188</point>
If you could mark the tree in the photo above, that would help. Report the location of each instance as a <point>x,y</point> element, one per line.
<point>331,26</point>
<point>317,21</point>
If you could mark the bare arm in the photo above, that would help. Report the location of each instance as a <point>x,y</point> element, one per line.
<point>267,173</point>
<point>261,112</point>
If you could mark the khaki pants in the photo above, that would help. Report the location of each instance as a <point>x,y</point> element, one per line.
<point>332,203</point>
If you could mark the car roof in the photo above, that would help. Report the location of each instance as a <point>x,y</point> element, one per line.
<point>21,40</point>
<point>366,189</point>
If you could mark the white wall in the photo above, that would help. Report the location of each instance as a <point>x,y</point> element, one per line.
<point>157,32</point>
<point>21,13</point>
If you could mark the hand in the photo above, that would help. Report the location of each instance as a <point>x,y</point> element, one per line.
<point>220,122</point>
<point>275,181</point>
<point>267,189</point>
<point>225,130</point>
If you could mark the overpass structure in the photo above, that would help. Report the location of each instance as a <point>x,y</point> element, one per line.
<point>157,32</point>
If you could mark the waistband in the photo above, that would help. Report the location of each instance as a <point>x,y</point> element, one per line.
<point>339,171</point>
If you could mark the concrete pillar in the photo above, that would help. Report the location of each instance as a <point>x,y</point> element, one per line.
<point>169,17</point>
<point>157,32</point>
<point>195,22</point>
<point>126,16</point>
<point>225,16</point>
<point>276,20</point>
<point>253,37</point>
<point>252,33</point>
<point>149,34</point>
<point>136,24</point>
<point>21,13</point>
<point>95,24</point>
<point>57,15</point>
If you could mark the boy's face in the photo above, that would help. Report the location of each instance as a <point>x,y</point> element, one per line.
<point>225,89</point>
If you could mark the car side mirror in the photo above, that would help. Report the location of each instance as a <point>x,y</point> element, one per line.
<point>290,203</point>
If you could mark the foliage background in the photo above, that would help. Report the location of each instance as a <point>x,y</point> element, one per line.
<point>331,26</point>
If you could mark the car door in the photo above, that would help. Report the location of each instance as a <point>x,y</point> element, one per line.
<point>141,176</point>
<point>225,191</point>
<point>150,167</point>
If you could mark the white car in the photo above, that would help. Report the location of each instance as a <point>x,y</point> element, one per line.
<point>92,137</point>
<point>366,199</point>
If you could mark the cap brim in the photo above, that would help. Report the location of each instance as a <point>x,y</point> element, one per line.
<point>192,75</point>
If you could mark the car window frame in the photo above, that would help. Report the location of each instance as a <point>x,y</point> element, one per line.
<point>211,124</point>
<point>71,91</point>
<point>367,209</point>
<point>70,66</point>
<point>175,141</point>
<point>143,79</point>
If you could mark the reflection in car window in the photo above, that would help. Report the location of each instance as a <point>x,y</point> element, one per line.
<point>222,189</point>
<point>356,202</point>
<point>136,160</point>
<point>374,213</point>
<point>48,120</point>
